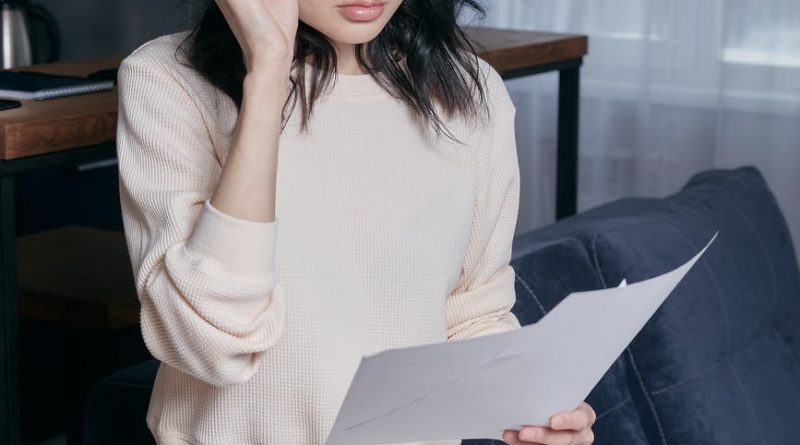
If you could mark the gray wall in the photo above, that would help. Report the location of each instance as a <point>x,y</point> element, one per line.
<point>99,28</point>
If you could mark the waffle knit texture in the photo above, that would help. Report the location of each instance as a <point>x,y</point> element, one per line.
<point>385,236</point>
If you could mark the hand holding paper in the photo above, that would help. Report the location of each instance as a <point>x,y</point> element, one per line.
<point>479,387</point>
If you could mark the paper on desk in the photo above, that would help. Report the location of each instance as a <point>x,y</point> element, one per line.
<point>479,387</point>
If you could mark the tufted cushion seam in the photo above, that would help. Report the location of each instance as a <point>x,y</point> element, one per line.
<point>613,408</point>
<point>650,403</point>
<point>532,294</point>
<point>597,269</point>
<point>678,384</point>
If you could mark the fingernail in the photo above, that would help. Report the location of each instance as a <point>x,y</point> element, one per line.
<point>557,422</point>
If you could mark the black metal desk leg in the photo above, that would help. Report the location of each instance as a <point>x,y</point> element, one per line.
<point>567,152</point>
<point>9,317</point>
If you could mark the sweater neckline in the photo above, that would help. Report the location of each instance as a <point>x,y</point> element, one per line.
<point>355,85</point>
<point>351,85</point>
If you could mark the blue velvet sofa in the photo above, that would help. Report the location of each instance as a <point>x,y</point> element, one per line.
<point>719,361</point>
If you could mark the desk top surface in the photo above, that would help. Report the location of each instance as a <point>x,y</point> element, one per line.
<point>509,49</point>
<point>40,127</point>
<point>46,126</point>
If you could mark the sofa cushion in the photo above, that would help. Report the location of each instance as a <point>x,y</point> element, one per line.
<point>718,361</point>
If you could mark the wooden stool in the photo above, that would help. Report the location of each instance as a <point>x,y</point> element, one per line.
<point>78,282</point>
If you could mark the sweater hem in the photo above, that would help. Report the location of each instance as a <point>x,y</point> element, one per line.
<point>180,439</point>
<point>174,437</point>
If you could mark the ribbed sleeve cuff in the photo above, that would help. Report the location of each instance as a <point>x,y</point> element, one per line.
<point>239,246</point>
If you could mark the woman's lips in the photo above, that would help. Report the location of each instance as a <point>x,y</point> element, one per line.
<point>361,13</point>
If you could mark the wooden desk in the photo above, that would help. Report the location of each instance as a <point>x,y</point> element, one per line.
<point>59,125</point>
<point>83,128</point>
<point>41,134</point>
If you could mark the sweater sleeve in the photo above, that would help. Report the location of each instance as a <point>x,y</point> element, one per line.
<point>482,300</point>
<point>210,301</point>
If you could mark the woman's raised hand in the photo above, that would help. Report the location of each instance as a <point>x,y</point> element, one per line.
<point>265,29</point>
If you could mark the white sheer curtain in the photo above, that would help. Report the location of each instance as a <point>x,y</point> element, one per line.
<point>669,88</point>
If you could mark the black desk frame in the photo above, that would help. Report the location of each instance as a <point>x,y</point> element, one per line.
<point>569,84</point>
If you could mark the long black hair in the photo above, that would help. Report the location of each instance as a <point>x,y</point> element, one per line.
<point>424,34</point>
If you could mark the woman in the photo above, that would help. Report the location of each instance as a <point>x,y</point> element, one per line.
<point>271,253</point>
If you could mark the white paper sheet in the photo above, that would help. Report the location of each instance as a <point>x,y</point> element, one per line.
<point>479,387</point>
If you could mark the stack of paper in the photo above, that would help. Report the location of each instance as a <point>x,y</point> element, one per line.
<point>479,387</point>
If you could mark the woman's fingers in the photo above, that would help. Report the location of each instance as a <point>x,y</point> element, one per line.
<point>567,428</point>
<point>581,417</point>
<point>533,435</point>
<point>265,29</point>
<point>586,437</point>
<point>512,437</point>
<point>546,436</point>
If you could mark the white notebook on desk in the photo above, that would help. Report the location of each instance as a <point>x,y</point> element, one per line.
<point>25,85</point>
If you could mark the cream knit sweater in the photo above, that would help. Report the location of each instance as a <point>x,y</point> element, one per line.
<point>384,237</point>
